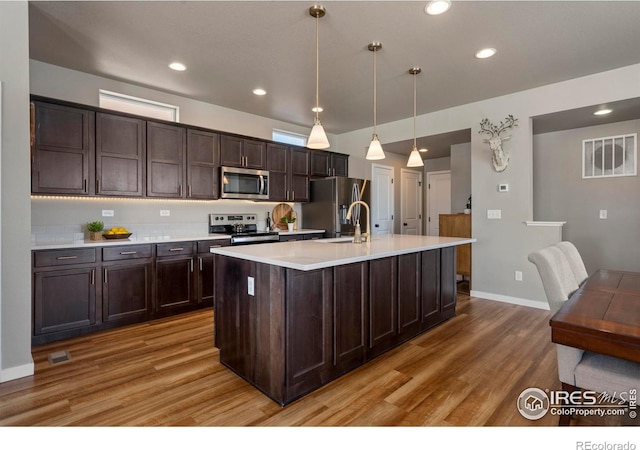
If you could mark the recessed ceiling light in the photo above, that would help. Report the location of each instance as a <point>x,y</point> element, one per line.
<point>318,109</point>
<point>423,150</point>
<point>259,91</point>
<point>178,66</point>
<point>486,53</point>
<point>435,7</point>
<point>602,112</point>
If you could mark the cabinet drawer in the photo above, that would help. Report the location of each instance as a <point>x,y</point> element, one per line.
<point>63,257</point>
<point>313,236</point>
<point>174,249</point>
<point>126,252</point>
<point>205,246</point>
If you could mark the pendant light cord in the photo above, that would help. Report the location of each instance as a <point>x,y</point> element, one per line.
<point>414,110</point>
<point>317,70</point>
<point>375,107</point>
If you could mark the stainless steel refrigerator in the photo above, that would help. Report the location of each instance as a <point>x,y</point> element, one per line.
<point>330,199</point>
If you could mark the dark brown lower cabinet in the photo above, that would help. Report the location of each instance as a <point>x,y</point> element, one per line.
<point>174,283</point>
<point>295,331</point>
<point>126,292</point>
<point>64,300</point>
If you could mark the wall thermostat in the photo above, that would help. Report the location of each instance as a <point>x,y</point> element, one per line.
<point>503,188</point>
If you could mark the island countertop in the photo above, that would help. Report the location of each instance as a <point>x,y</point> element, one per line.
<point>321,253</point>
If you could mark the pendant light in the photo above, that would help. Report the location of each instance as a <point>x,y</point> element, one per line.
<point>317,138</point>
<point>415,160</point>
<point>375,149</point>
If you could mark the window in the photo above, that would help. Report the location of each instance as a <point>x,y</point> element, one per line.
<point>614,156</point>
<point>138,106</point>
<point>287,137</point>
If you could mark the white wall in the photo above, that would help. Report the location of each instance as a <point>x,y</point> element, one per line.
<point>15,261</point>
<point>503,245</point>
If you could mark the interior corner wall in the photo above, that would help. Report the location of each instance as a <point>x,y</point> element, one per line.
<point>561,194</point>
<point>15,218</point>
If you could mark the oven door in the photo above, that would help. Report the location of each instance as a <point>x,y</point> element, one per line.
<point>244,183</point>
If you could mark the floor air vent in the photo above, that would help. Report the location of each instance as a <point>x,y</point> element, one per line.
<point>59,357</point>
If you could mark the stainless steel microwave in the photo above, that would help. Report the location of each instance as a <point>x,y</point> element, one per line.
<point>248,184</point>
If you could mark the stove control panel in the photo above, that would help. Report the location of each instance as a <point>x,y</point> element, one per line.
<point>232,219</point>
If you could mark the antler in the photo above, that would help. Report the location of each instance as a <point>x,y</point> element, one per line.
<point>495,130</point>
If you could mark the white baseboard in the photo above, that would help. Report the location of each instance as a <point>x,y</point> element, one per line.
<point>509,299</point>
<point>13,373</point>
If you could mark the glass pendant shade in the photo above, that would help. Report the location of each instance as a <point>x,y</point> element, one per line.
<point>317,138</point>
<point>375,149</point>
<point>415,160</point>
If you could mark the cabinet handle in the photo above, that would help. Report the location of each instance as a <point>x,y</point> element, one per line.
<point>177,249</point>
<point>84,185</point>
<point>293,196</point>
<point>189,191</point>
<point>104,274</point>
<point>128,253</point>
<point>66,257</point>
<point>191,264</point>
<point>200,263</point>
<point>98,186</point>
<point>180,191</point>
<point>93,276</point>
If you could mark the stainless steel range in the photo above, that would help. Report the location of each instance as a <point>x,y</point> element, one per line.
<point>243,228</point>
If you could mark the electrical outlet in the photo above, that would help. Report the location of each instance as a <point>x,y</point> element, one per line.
<point>518,275</point>
<point>494,213</point>
<point>250,286</point>
<point>165,212</point>
<point>107,213</point>
<point>603,213</point>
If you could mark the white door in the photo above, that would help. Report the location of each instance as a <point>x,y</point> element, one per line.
<point>438,199</point>
<point>411,202</point>
<point>381,199</point>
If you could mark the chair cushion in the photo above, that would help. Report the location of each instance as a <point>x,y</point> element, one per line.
<point>575,260</point>
<point>606,374</point>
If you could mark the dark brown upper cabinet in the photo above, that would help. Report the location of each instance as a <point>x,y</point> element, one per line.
<point>120,155</point>
<point>63,151</point>
<point>240,152</point>
<point>328,164</point>
<point>202,165</point>
<point>166,160</point>
<point>288,173</point>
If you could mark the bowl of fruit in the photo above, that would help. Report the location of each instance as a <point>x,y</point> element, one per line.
<point>116,233</point>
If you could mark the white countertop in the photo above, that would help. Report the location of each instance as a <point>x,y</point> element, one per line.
<point>321,253</point>
<point>149,240</point>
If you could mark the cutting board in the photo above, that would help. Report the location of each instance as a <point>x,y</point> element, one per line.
<point>281,210</point>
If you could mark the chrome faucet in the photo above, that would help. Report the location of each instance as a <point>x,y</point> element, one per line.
<point>365,235</point>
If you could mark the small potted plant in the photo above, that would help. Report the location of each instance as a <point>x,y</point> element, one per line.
<point>289,220</point>
<point>95,230</point>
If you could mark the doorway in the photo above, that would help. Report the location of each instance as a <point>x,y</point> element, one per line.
<point>382,199</point>
<point>438,199</point>
<point>410,202</point>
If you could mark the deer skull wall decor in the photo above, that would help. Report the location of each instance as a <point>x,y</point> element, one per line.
<point>499,156</point>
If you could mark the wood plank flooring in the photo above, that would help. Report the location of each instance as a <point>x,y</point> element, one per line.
<point>468,371</point>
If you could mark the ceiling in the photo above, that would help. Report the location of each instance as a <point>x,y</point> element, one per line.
<point>232,47</point>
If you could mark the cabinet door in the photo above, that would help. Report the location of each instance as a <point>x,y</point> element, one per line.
<point>383,305</point>
<point>298,169</point>
<point>165,160</point>
<point>319,163</point>
<point>448,284</point>
<point>409,295</point>
<point>255,154</point>
<point>202,165</point>
<point>277,156</point>
<point>63,156</point>
<point>340,165</point>
<point>309,315</point>
<point>430,288</point>
<point>231,151</point>
<point>126,291</point>
<point>64,300</point>
<point>206,279</point>
<point>174,283</point>
<point>120,155</point>
<point>349,306</point>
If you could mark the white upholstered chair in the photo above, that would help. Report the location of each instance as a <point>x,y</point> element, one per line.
<point>579,369</point>
<point>575,261</point>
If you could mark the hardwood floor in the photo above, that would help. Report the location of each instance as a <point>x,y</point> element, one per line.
<point>468,371</point>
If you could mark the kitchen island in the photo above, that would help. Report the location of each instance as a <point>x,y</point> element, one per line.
<point>291,317</point>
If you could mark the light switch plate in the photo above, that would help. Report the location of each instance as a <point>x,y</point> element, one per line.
<point>603,213</point>
<point>494,213</point>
